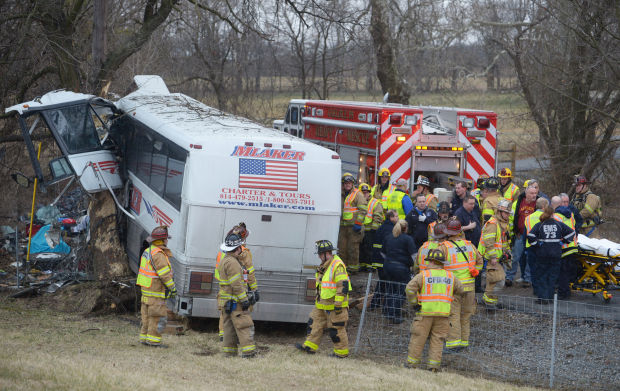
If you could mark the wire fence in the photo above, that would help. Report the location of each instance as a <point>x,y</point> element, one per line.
<point>565,344</point>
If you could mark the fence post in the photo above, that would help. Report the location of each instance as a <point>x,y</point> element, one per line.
<point>513,158</point>
<point>555,316</point>
<point>17,253</point>
<point>361,324</point>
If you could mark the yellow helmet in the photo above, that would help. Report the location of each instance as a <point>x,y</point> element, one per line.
<point>384,172</point>
<point>364,187</point>
<point>348,177</point>
<point>505,173</point>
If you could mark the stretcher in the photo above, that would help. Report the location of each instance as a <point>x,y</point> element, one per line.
<point>600,270</point>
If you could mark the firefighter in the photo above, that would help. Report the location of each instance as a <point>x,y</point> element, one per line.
<point>248,270</point>
<point>351,233</point>
<point>331,308</point>
<point>384,188</point>
<point>443,215</point>
<point>157,285</point>
<point>570,263</point>
<point>465,262</point>
<point>431,292</point>
<point>399,200</point>
<point>373,219</point>
<point>491,199</point>
<point>421,260</point>
<point>494,246</point>
<point>477,192</point>
<point>233,302</point>
<point>507,188</point>
<point>588,204</point>
<point>423,186</point>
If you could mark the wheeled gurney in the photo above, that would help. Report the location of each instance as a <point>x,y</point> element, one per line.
<point>600,272</point>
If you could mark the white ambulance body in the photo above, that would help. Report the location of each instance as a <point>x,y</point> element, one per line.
<point>206,172</point>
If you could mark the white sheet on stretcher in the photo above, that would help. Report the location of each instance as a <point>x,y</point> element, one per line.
<point>599,246</point>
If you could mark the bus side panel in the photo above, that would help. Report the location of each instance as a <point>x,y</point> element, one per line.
<point>135,236</point>
<point>205,227</point>
<point>319,228</point>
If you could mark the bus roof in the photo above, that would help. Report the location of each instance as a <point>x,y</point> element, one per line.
<point>186,121</point>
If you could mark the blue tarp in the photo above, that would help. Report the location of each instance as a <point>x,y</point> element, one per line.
<point>39,243</point>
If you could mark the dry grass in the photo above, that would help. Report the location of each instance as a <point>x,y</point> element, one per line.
<point>43,350</point>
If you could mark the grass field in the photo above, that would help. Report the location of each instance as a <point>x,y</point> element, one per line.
<point>47,350</point>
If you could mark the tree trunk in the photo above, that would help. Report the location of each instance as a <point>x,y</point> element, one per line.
<point>387,69</point>
<point>108,257</point>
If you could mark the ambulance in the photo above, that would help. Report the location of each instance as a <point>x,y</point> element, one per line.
<point>201,171</point>
<point>442,143</point>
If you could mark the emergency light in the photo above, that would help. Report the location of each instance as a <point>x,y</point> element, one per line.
<point>484,123</point>
<point>396,119</point>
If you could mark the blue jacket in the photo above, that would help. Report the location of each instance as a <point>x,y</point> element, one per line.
<point>399,249</point>
<point>382,232</point>
<point>547,237</point>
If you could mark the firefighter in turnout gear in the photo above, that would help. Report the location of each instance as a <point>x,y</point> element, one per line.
<point>233,302</point>
<point>431,292</point>
<point>491,199</point>
<point>423,186</point>
<point>495,248</point>
<point>588,204</point>
<point>248,270</point>
<point>465,262</point>
<point>383,188</point>
<point>351,222</point>
<point>373,219</point>
<point>421,261</point>
<point>156,284</point>
<point>507,189</point>
<point>477,192</point>
<point>443,215</point>
<point>331,309</point>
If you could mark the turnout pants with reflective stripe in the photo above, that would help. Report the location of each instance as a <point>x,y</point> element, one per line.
<point>495,274</point>
<point>154,318</point>
<point>336,325</point>
<point>238,333</point>
<point>461,310</point>
<point>423,326</point>
<point>349,246</point>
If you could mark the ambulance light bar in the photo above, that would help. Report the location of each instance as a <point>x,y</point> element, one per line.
<point>424,147</point>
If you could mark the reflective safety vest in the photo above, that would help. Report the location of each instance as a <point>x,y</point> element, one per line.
<point>395,201</point>
<point>146,272</point>
<point>437,292</point>
<point>567,248</point>
<point>329,286</point>
<point>348,210</point>
<point>530,221</point>
<point>511,193</point>
<point>368,220</point>
<point>423,253</point>
<point>429,198</point>
<point>498,246</point>
<point>458,264</point>
<point>384,196</point>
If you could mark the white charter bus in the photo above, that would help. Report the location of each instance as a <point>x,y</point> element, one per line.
<point>201,171</point>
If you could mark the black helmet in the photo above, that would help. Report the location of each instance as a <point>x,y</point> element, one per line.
<point>443,207</point>
<point>323,246</point>
<point>231,242</point>
<point>436,255</point>
<point>491,183</point>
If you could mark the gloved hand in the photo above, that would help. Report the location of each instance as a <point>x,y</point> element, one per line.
<point>245,305</point>
<point>170,293</point>
<point>417,307</point>
<point>357,228</point>
<point>422,218</point>
<point>256,296</point>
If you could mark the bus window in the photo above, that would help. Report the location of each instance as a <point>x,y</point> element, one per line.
<point>294,115</point>
<point>174,180</point>
<point>75,127</point>
<point>144,151</point>
<point>159,168</point>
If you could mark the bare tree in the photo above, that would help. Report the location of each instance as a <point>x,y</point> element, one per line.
<point>567,58</point>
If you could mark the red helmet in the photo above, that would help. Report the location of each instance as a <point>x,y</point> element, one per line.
<point>158,233</point>
<point>453,227</point>
<point>581,180</point>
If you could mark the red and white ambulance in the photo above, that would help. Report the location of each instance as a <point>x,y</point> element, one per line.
<point>438,142</point>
